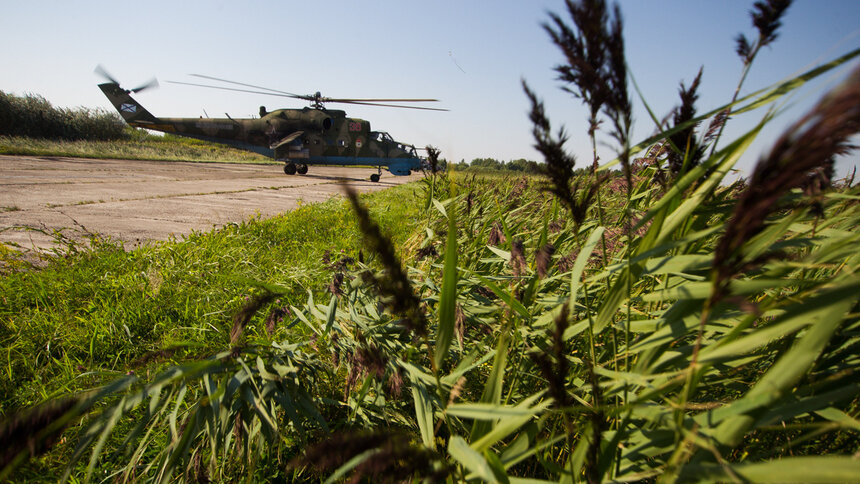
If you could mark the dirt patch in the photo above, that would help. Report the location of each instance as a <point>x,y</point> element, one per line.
<point>142,201</point>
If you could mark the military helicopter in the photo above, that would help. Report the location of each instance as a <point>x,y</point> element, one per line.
<point>312,135</point>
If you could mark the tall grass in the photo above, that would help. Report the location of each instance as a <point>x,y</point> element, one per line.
<point>643,324</point>
<point>33,116</point>
<point>30,125</point>
<point>135,145</point>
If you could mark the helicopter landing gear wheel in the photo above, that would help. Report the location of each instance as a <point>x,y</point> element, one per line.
<point>374,178</point>
<point>302,169</point>
<point>290,169</point>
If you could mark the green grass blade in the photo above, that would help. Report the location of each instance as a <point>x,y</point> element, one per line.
<point>332,314</point>
<point>493,387</point>
<point>582,260</point>
<point>507,297</point>
<point>789,369</point>
<point>509,425</point>
<point>448,297</point>
<point>488,411</point>
<point>351,464</point>
<point>823,469</point>
<point>793,319</point>
<point>723,162</point>
<point>423,411</point>
<point>471,459</point>
<point>467,364</point>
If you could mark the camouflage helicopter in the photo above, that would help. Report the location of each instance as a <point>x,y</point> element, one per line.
<point>299,137</point>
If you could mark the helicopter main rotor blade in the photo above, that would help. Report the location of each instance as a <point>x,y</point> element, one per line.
<point>388,105</point>
<point>310,97</point>
<point>238,90</point>
<point>249,85</point>
<point>347,100</point>
<point>320,99</point>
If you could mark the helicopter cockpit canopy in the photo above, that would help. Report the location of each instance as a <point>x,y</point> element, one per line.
<point>381,136</point>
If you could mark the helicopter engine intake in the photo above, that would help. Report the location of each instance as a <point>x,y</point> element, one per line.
<point>320,120</point>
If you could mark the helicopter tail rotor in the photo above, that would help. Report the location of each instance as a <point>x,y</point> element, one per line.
<point>150,84</point>
<point>101,71</point>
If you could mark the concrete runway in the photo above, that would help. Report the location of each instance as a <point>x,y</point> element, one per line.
<point>141,201</point>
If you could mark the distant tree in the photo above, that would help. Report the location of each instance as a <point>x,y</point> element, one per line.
<point>522,165</point>
<point>486,164</point>
<point>515,165</point>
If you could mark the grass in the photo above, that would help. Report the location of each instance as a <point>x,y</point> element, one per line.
<point>647,323</point>
<point>135,147</point>
<point>32,115</point>
<point>90,312</point>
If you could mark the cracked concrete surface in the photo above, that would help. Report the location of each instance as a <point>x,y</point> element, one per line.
<point>141,201</point>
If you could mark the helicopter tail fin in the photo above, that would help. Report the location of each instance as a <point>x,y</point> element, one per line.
<point>130,110</point>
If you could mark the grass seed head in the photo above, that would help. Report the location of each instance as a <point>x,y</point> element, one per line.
<point>556,373</point>
<point>433,159</point>
<point>335,287</point>
<point>559,165</point>
<point>767,19</point>
<point>396,457</point>
<point>543,260</point>
<point>497,236</point>
<point>801,158</point>
<point>459,323</point>
<point>518,258</point>
<point>683,144</point>
<point>394,286</point>
<point>33,431</point>
<point>244,315</point>
<point>276,315</point>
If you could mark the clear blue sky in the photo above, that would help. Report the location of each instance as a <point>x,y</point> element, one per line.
<point>470,54</point>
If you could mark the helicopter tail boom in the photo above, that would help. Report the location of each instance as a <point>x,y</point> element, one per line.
<point>131,111</point>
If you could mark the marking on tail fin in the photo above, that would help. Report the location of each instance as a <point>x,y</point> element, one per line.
<point>129,108</point>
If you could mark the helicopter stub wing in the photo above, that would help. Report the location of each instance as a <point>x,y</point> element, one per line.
<point>286,140</point>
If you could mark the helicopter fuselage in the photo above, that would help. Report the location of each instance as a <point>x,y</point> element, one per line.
<point>302,137</point>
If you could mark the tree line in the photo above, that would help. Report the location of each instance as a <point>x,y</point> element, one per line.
<point>491,164</point>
